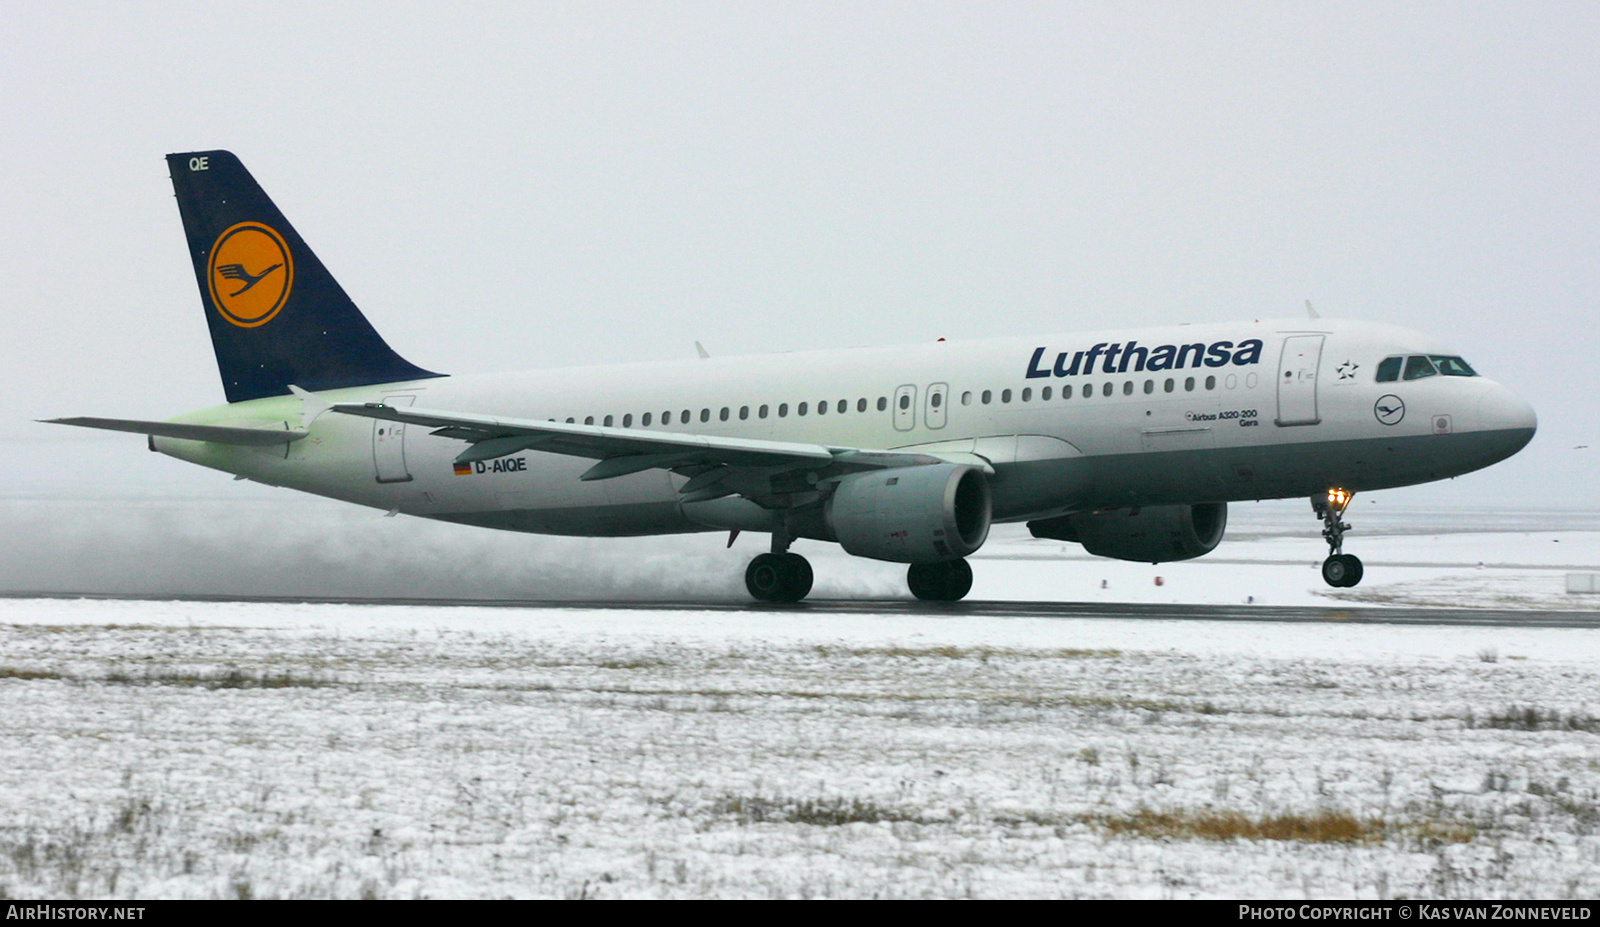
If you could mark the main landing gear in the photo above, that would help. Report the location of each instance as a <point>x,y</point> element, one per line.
<point>779,576</point>
<point>1340,569</point>
<point>784,577</point>
<point>947,581</point>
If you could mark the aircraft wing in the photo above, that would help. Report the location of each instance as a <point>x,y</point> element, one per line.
<point>717,466</point>
<point>216,434</point>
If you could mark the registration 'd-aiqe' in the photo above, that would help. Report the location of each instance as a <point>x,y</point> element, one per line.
<point>1131,443</point>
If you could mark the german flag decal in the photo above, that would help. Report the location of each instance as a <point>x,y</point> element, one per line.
<point>463,469</point>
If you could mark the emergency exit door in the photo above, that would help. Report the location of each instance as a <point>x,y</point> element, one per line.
<point>905,408</point>
<point>934,414</point>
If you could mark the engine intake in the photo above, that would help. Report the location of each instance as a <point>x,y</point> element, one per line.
<point>1152,534</point>
<point>923,514</point>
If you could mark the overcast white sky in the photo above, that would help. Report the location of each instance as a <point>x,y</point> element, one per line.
<point>503,186</point>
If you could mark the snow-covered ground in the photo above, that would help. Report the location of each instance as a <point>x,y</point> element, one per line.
<point>193,749</point>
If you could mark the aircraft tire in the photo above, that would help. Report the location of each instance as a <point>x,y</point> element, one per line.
<point>1342,570</point>
<point>778,577</point>
<point>948,581</point>
<point>799,577</point>
<point>1354,571</point>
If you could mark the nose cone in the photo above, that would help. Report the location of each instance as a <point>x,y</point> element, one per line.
<point>1504,411</point>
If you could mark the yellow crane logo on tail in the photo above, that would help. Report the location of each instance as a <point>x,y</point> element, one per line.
<point>250,275</point>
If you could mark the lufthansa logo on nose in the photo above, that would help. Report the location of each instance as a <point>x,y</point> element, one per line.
<point>1389,409</point>
<point>251,273</point>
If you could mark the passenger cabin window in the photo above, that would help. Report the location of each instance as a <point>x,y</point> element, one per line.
<point>644,420</point>
<point>744,413</point>
<point>783,410</point>
<point>966,398</point>
<point>723,415</point>
<point>822,407</point>
<point>1027,395</point>
<point>936,400</point>
<point>882,403</point>
<point>800,409</point>
<point>1005,395</point>
<point>1044,394</point>
<point>861,405</point>
<point>627,420</point>
<point>905,402</point>
<point>1105,390</point>
<point>1127,387</point>
<point>988,397</point>
<point>1066,391</point>
<point>607,421</point>
<point>761,412</point>
<point>1418,367</point>
<point>844,406</point>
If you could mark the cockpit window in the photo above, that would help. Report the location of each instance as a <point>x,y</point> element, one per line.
<point>1453,366</point>
<point>1418,366</point>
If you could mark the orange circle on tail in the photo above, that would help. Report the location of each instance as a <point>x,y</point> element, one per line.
<point>251,273</point>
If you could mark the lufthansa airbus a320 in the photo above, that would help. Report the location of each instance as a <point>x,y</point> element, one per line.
<point>1131,443</point>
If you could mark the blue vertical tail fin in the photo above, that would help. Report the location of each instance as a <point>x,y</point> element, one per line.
<point>276,315</point>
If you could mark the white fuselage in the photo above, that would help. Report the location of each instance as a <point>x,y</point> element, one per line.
<point>1066,425</point>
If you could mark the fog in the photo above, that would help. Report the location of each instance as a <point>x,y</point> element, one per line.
<point>310,548</point>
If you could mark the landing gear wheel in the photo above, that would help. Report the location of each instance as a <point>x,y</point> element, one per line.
<point>949,581</point>
<point>1342,570</point>
<point>800,576</point>
<point>778,577</point>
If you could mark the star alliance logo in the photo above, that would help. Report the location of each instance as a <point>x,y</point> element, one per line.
<point>1347,370</point>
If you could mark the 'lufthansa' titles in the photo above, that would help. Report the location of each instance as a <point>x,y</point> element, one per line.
<point>1118,357</point>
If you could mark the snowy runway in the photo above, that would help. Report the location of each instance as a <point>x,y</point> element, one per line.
<point>163,748</point>
<point>206,749</point>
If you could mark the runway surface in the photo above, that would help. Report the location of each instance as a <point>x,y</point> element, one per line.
<point>1334,614</point>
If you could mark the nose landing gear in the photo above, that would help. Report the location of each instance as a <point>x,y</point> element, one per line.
<point>1340,569</point>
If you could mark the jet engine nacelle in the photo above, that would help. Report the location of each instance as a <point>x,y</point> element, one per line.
<point>1152,534</point>
<point>923,514</point>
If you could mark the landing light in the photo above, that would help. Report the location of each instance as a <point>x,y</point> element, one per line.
<point>1338,499</point>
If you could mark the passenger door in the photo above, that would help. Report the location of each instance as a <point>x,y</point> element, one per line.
<point>389,445</point>
<point>1297,380</point>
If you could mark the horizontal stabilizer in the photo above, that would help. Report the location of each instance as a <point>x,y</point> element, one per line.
<point>215,434</point>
